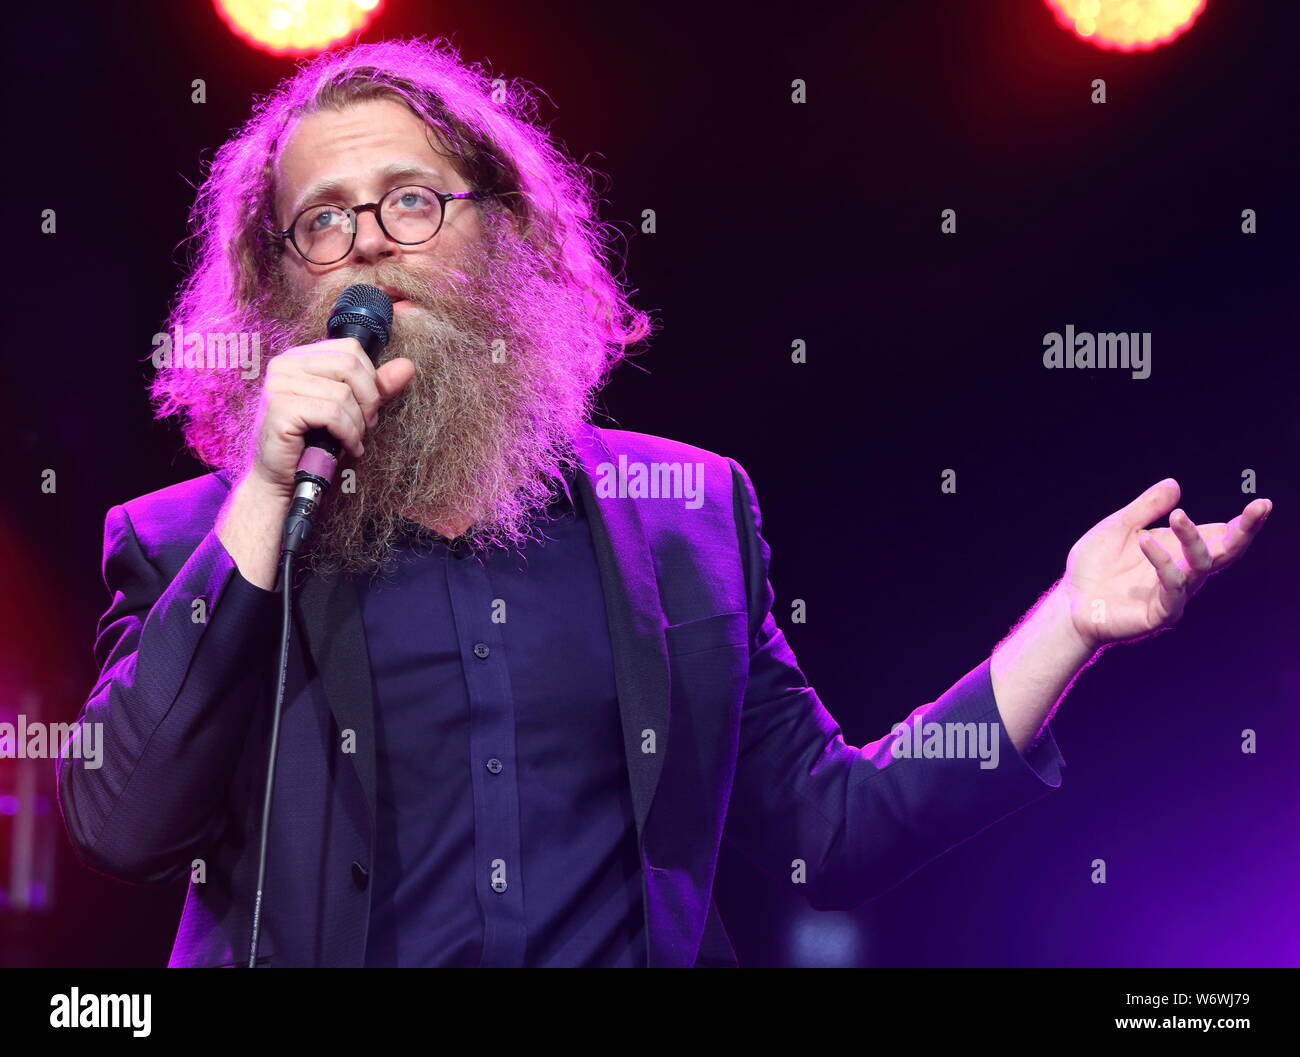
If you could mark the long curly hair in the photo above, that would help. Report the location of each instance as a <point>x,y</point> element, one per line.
<point>491,127</point>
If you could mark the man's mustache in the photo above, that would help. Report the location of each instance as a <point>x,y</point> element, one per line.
<point>419,287</point>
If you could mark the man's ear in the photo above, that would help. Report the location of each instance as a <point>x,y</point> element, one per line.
<point>507,206</point>
<point>511,217</point>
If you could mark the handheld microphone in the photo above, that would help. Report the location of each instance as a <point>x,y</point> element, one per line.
<point>363,312</point>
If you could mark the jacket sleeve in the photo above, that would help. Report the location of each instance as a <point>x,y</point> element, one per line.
<point>859,820</point>
<point>172,706</point>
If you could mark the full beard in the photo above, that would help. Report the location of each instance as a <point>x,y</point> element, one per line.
<point>508,363</point>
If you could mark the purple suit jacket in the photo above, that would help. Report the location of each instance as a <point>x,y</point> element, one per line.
<point>742,748</point>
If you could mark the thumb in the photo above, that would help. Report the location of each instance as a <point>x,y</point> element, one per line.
<point>1155,502</point>
<point>392,377</point>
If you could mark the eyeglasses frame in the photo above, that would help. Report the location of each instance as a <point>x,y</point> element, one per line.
<point>353,212</point>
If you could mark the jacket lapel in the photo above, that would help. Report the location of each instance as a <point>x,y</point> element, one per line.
<point>636,622</point>
<point>330,618</point>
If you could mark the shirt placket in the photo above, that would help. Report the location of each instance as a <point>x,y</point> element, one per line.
<point>498,879</point>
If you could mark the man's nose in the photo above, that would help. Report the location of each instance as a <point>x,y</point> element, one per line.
<point>371,243</point>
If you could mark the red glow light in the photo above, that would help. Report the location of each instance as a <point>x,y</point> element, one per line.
<point>296,27</point>
<point>1127,25</point>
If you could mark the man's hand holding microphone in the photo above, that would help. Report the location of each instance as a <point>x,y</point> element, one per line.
<point>317,400</point>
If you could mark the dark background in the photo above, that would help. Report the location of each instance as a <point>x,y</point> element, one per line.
<point>775,222</point>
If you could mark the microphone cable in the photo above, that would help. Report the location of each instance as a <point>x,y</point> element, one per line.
<point>365,313</point>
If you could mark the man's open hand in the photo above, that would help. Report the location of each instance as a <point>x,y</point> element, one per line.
<point>1124,581</point>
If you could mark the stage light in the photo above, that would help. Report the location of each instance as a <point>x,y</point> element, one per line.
<point>1127,25</point>
<point>296,27</point>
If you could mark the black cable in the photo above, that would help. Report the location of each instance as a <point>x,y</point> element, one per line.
<point>286,592</point>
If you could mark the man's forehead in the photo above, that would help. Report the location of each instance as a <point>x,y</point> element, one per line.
<point>360,144</point>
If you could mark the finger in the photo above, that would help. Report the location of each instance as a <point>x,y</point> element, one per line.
<point>350,346</point>
<point>393,377</point>
<point>1194,546</point>
<point>321,403</point>
<point>1154,503</point>
<point>316,387</point>
<point>343,365</point>
<point>1243,529</point>
<point>1171,577</point>
<point>1213,534</point>
<point>342,421</point>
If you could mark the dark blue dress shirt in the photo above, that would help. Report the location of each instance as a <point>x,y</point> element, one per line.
<point>504,834</point>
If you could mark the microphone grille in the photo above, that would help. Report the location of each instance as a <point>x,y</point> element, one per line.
<point>363,295</point>
<point>365,305</point>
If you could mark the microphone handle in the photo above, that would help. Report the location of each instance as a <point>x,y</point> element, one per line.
<point>320,454</point>
<point>323,439</point>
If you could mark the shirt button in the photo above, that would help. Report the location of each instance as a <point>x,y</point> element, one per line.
<point>498,886</point>
<point>360,875</point>
<point>481,650</point>
<point>494,765</point>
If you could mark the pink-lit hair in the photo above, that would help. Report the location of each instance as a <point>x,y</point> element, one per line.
<point>498,146</point>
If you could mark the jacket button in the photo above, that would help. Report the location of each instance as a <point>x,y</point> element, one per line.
<point>360,875</point>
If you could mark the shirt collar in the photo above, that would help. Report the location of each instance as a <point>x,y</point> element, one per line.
<point>563,502</point>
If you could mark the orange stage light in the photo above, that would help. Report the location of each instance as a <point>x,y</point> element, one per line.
<point>296,27</point>
<point>1127,25</point>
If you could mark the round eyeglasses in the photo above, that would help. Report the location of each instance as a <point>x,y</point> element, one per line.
<point>409,215</point>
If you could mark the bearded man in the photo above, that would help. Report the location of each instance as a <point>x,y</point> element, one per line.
<point>534,679</point>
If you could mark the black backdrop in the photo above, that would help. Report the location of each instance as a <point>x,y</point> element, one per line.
<point>778,222</point>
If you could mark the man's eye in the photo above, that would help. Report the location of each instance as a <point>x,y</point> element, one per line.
<point>324,219</point>
<point>413,201</point>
